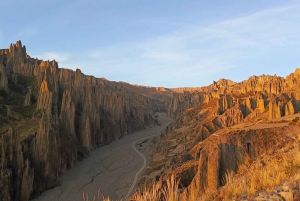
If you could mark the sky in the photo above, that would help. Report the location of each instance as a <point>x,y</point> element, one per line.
<point>169,43</point>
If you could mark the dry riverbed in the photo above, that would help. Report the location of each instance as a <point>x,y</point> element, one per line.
<point>111,168</point>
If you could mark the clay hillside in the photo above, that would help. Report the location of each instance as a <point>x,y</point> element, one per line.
<point>228,140</point>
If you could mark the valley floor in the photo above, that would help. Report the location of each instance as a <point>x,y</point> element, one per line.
<point>110,168</point>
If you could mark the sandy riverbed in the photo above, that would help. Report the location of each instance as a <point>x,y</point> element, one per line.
<point>110,168</point>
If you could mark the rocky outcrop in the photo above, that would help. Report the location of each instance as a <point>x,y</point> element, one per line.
<point>16,174</point>
<point>274,109</point>
<point>28,97</point>
<point>53,152</point>
<point>223,85</point>
<point>211,122</point>
<point>254,96</point>
<point>74,113</point>
<point>289,109</point>
<point>67,114</point>
<point>232,116</point>
<point>207,176</point>
<point>18,61</point>
<point>224,103</point>
<point>260,104</point>
<point>3,79</point>
<point>182,101</point>
<point>222,153</point>
<point>45,98</point>
<point>27,181</point>
<point>9,112</point>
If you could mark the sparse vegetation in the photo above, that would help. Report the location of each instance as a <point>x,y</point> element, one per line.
<point>193,153</point>
<point>25,111</point>
<point>28,127</point>
<point>141,144</point>
<point>156,165</point>
<point>154,140</point>
<point>264,173</point>
<point>164,191</point>
<point>167,191</point>
<point>295,121</point>
<point>21,117</point>
<point>99,197</point>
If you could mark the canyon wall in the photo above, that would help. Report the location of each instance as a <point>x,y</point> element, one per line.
<point>51,116</point>
<point>280,96</point>
<point>217,126</point>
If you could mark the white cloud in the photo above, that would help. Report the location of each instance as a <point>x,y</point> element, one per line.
<point>65,60</point>
<point>59,57</point>
<point>196,51</point>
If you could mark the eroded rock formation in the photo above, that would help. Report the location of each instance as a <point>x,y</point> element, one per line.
<point>52,116</point>
<point>278,95</point>
<point>217,126</point>
<point>62,115</point>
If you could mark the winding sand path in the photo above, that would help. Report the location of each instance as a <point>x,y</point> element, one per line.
<point>144,164</point>
<point>114,168</point>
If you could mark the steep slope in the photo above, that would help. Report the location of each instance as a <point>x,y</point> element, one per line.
<point>50,116</point>
<point>217,127</point>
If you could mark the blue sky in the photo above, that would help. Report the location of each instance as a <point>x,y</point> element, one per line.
<point>170,43</point>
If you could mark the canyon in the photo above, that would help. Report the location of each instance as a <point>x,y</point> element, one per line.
<point>110,168</point>
<point>220,127</point>
<point>54,119</point>
<point>51,117</point>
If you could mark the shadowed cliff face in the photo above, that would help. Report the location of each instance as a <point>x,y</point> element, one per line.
<point>59,115</point>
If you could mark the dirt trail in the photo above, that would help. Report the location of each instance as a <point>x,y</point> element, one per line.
<point>111,168</point>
